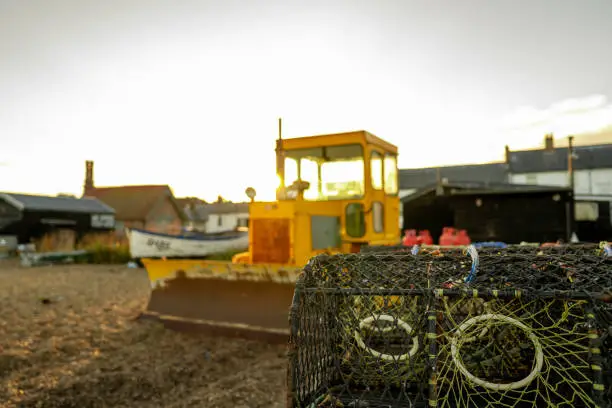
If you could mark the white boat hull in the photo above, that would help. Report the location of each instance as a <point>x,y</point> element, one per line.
<point>146,244</point>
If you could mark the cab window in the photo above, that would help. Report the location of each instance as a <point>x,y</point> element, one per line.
<point>334,172</point>
<point>378,220</point>
<point>355,220</point>
<point>376,170</point>
<point>391,181</point>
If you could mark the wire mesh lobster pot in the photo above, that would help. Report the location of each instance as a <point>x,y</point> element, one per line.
<point>452,329</point>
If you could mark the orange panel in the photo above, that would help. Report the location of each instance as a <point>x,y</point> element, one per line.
<point>271,241</point>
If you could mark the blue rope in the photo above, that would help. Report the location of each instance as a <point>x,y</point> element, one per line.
<point>415,250</point>
<point>608,250</point>
<point>471,250</point>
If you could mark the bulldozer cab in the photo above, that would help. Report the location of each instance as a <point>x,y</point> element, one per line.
<point>337,192</point>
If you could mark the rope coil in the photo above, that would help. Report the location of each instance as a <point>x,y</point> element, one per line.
<point>368,323</point>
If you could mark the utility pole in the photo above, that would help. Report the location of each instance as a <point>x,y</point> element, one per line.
<point>280,161</point>
<point>570,161</point>
<point>570,174</point>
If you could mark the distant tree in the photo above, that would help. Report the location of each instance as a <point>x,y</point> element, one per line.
<point>66,195</point>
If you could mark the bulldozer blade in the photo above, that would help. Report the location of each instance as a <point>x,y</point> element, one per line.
<point>221,298</point>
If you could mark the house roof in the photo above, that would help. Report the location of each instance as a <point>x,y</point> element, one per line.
<point>30,202</point>
<point>133,202</point>
<point>196,213</point>
<point>485,173</point>
<point>184,201</point>
<point>541,160</point>
<point>470,188</point>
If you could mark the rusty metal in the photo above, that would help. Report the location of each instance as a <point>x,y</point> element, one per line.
<point>252,309</point>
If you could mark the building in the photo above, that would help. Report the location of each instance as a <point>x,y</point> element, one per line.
<point>414,181</point>
<point>214,217</point>
<point>502,212</point>
<point>592,181</point>
<point>226,216</point>
<point>592,167</point>
<point>547,166</point>
<point>149,207</point>
<point>31,217</point>
<point>195,215</point>
<point>411,180</point>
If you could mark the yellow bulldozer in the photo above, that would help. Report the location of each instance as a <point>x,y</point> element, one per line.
<point>337,193</point>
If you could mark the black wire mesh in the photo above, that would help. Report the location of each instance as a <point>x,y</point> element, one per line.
<point>513,327</point>
<point>576,249</point>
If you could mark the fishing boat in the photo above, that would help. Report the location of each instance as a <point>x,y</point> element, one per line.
<point>148,244</point>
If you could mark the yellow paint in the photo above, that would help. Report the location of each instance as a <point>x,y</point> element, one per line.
<point>299,211</point>
<point>242,257</point>
<point>162,269</point>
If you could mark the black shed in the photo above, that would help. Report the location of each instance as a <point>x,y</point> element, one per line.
<point>509,213</point>
<point>31,216</point>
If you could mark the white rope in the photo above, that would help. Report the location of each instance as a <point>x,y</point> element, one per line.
<point>368,322</point>
<point>539,355</point>
<point>483,332</point>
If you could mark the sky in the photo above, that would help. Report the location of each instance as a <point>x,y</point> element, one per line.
<point>187,93</point>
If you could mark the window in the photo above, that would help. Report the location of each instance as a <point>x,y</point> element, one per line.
<point>586,211</point>
<point>291,171</point>
<point>378,220</point>
<point>531,179</point>
<point>102,221</point>
<point>334,172</point>
<point>355,220</point>
<point>391,175</point>
<point>376,170</point>
<point>219,220</point>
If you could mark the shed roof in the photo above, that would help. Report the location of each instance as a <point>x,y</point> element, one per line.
<point>469,188</point>
<point>485,173</point>
<point>30,202</point>
<point>133,202</point>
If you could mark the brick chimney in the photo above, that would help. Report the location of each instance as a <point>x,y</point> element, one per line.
<point>88,186</point>
<point>549,144</point>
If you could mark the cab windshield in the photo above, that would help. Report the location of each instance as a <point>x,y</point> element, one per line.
<point>334,172</point>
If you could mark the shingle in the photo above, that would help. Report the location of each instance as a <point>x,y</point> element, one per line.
<point>59,204</point>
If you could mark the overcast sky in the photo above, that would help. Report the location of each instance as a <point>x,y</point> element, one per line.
<point>187,93</point>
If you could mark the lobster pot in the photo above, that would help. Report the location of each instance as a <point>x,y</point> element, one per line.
<point>511,328</point>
